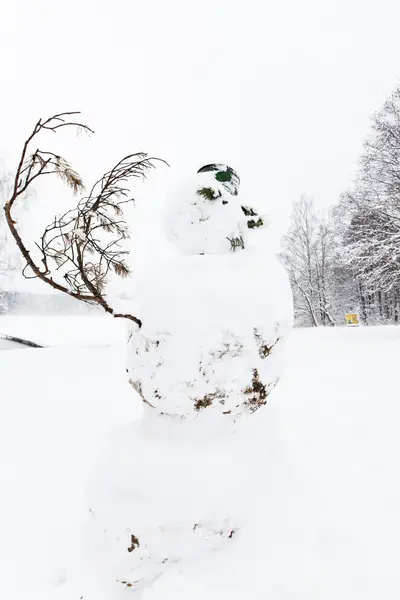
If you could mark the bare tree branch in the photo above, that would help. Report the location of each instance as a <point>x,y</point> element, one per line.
<point>78,243</point>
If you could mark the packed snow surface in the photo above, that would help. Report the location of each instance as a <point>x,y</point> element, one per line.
<point>320,509</point>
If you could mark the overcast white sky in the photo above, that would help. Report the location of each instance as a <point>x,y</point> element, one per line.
<point>282,90</point>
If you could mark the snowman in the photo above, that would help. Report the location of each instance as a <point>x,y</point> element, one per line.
<point>216,316</point>
<point>207,357</point>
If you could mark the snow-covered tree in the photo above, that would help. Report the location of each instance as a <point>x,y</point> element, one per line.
<point>372,206</point>
<point>308,255</point>
<point>372,242</point>
<point>368,219</point>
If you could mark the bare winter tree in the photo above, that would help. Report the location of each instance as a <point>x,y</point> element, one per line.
<point>307,255</point>
<point>324,252</point>
<point>80,249</point>
<point>298,258</point>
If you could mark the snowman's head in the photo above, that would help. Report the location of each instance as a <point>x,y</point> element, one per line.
<point>207,217</point>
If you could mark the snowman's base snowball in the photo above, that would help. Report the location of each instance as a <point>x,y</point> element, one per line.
<point>212,335</point>
<point>160,501</point>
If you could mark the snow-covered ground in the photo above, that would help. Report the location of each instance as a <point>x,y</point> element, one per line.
<point>328,525</point>
<point>66,331</point>
<point>6,344</point>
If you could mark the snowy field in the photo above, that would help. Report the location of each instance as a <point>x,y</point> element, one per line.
<point>329,524</point>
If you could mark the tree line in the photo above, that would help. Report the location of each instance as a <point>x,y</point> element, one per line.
<point>349,261</point>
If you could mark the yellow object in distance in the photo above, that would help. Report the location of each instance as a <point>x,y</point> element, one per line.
<point>352,319</point>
